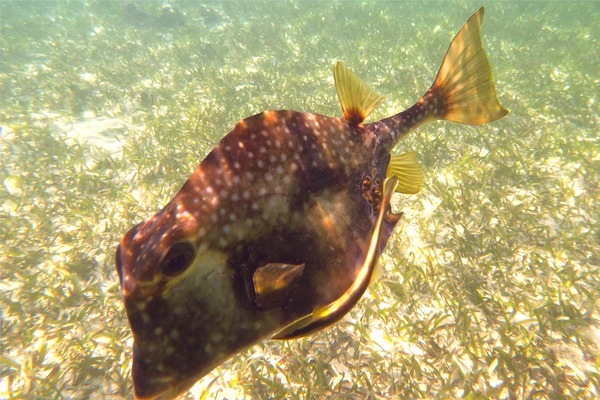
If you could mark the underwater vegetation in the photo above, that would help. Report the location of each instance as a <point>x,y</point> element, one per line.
<point>278,232</point>
<point>491,280</point>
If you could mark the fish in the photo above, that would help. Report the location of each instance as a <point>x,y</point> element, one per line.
<point>278,231</point>
<point>169,17</point>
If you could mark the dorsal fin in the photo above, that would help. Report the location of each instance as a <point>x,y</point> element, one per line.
<point>358,98</point>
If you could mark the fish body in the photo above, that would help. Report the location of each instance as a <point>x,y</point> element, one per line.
<point>278,230</point>
<point>169,17</point>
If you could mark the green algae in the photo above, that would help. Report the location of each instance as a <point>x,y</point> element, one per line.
<point>491,283</point>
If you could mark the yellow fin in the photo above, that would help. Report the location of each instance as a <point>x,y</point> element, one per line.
<point>273,282</point>
<point>409,172</point>
<point>325,315</point>
<point>377,272</point>
<point>465,78</point>
<point>358,98</point>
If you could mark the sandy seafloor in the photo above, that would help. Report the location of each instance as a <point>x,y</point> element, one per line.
<point>491,281</point>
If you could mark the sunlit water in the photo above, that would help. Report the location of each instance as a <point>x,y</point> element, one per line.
<point>490,284</point>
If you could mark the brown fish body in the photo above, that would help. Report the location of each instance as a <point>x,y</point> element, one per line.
<point>275,233</point>
<point>282,187</point>
<point>277,171</point>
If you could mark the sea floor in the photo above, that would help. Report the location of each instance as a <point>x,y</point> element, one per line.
<point>491,282</point>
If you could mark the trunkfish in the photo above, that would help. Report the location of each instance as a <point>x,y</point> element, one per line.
<point>278,231</point>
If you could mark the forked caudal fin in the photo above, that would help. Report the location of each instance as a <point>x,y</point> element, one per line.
<point>464,86</point>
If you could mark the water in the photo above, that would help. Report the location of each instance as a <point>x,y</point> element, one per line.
<point>491,282</point>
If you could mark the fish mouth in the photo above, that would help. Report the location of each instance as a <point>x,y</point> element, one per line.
<point>166,394</point>
<point>163,395</point>
<point>165,364</point>
<point>156,390</point>
<point>145,393</point>
<point>150,384</point>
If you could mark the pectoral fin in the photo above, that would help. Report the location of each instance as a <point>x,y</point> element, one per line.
<point>323,316</point>
<point>273,283</point>
<point>409,172</point>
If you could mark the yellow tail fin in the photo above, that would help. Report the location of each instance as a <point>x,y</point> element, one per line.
<point>464,82</point>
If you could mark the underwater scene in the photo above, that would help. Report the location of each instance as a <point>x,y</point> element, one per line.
<point>488,286</point>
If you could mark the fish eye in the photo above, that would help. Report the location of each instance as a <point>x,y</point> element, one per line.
<point>178,259</point>
<point>119,264</point>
